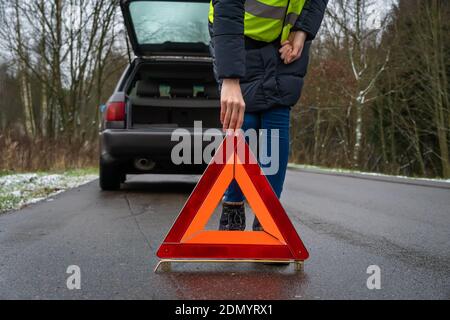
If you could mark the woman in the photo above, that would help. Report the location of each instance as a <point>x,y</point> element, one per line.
<point>261,54</point>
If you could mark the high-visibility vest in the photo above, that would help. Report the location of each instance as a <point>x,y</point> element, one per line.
<point>266,20</point>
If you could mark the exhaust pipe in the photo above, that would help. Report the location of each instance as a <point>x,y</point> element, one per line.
<point>144,164</point>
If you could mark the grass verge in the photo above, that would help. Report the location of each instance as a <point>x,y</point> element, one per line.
<point>19,190</point>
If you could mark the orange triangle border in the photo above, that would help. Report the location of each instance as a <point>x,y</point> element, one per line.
<point>187,238</point>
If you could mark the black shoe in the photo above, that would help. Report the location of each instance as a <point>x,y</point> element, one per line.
<point>233,218</point>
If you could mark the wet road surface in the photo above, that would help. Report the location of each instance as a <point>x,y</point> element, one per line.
<point>347,223</point>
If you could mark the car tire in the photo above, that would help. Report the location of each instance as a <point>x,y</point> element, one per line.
<point>110,178</point>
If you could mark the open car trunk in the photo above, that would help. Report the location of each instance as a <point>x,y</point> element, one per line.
<point>163,27</point>
<point>174,85</point>
<point>173,94</point>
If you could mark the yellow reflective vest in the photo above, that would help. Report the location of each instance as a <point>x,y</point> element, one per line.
<point>266,20</point>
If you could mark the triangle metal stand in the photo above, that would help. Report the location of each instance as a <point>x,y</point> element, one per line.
<point>165,265</point>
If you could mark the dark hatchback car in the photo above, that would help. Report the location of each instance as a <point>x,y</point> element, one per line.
<point>169,85</point>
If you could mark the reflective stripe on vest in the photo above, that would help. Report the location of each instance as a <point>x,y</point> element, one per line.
<point>266,20</point>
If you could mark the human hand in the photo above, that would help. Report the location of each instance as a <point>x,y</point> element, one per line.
<point>232,105</point>
<point>291,50</point>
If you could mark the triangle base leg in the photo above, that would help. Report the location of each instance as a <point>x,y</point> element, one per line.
<point>165,265</point>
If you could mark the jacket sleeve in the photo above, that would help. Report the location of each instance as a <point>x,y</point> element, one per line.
<point>228,38</point>
<point>311,17</point>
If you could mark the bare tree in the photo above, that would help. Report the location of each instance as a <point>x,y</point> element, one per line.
<point>431,38</point>
<point>64,44</point>
<point>358,26</point>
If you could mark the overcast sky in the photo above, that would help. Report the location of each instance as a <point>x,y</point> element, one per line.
<point>381,8</point>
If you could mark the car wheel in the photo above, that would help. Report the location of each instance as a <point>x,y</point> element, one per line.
<point>110,178</point>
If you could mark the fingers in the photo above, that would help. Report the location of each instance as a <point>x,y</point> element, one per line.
<point>292,49</point>
<point>287,57</point>
<point>227,117</point>
<point>298,45</point>
<point>223,110</point>
<point>234,110</point>
<point>294,55</point>
<point>237,118</point>
<point>297,50</point>
<point>291,53</point>
<point>285,51</point>
<point>241,116</point>
<point>232,105</point>
<point>234,115</point>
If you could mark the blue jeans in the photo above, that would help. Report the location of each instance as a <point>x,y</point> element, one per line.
<point>274,118</point>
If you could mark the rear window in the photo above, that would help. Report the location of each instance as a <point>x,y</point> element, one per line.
<point>158,22</point>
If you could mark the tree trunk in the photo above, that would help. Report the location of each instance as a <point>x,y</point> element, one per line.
<point>358,134</point>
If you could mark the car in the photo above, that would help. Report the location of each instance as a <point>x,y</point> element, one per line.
<point>169,85</point>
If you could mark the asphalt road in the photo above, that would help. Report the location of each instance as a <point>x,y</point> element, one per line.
<point>347,223</point>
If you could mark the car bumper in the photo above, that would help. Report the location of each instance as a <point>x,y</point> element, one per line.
<point>123,146</point>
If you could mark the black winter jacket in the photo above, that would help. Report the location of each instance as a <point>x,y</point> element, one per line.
<point>265,80</point>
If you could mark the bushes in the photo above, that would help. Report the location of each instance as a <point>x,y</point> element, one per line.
<point>19,153</point>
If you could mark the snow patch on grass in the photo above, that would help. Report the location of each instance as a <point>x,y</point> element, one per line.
<point>304,166</point>
<point>19,190</point>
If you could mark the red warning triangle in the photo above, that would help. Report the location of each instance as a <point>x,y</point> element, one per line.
<point>188,238</point>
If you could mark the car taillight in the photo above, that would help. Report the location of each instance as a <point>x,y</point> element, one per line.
<point>115,111</point>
